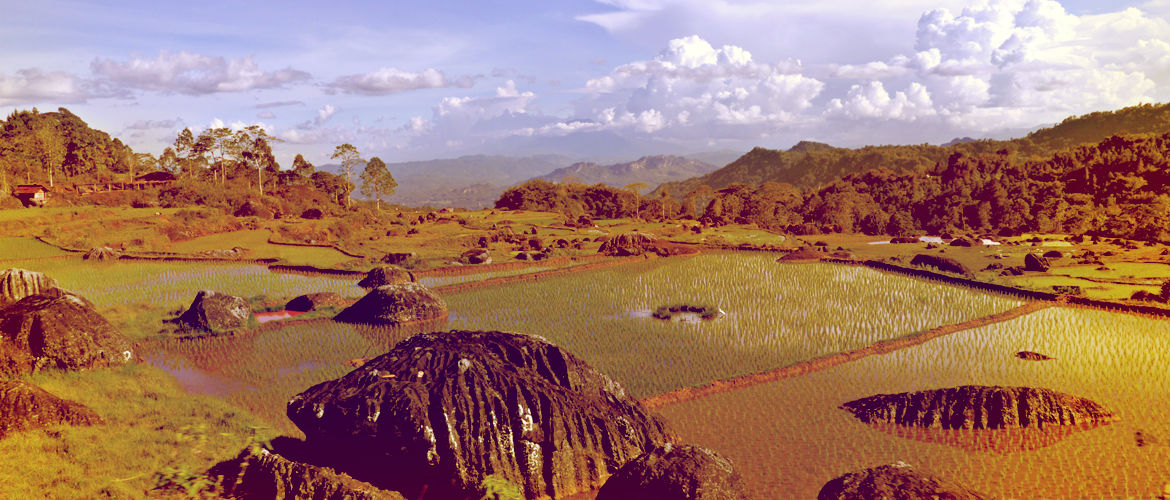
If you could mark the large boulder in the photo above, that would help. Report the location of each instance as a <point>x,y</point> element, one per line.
<point>803,254</point>
<point>398,258</point>
<point>267,475</point>
<point>101,253</point>
<point>476,256</point>
<point>962,241</point>
<point>445,410</point>
<point>58,329</point>
<point>945,264</point>
<point>26,407</point>
<point>314,301</point>
<point>394,304</point>
<point>676,472</point>
<point>980,407</point>
<point>386,275</point>
<point>894,482</point>
<point>1037,263</point>
<point>212,310</point>
<point>16,284</point>
<point>627,244</point>
<point>313,213</point>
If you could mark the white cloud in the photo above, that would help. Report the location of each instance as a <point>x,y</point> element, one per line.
<point>873,101</point>
<point>30,86</point>
<point>323,115</point>
<point>154,124</point>
<point>979,67</point>
<point>192,74</point>
<point>388,81</point>
<point>691,89</point>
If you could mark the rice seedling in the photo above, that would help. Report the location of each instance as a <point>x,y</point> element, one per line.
<point>1116,360</point>
<point>176,283</point>
<point>13,248</point>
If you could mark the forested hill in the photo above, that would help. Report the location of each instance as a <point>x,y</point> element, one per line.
<point>34,143</point>
<point>811,166</point>
<point>651,170</point>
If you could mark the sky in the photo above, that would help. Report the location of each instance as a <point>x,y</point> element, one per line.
<point>421,80</point>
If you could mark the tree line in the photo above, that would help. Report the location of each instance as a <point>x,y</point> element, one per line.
<point>1119,187</point>
<point>216,167</point>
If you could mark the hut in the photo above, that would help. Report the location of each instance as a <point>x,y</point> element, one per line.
<point>32,194</point>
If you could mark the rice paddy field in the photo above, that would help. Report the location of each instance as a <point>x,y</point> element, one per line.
<point>170,283</point>
<point>788,436</point>
<point>775,316</point>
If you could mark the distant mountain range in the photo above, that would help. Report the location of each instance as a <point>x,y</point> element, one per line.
<point>477,181</point>
<point>650,170</point>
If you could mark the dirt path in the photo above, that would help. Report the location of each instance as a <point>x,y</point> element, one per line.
<point>685,394</point>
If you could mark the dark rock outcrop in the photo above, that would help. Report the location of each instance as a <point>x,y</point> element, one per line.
<point>250,209</point>
<point>1012,271</point>
<point>980,407</point>
<point>1032,356</point>
<point>444,410</point>
<point>16,284</point>
<point>962,241</point>
<point>314,301</point>
<point>803,254</point>
<point>894,482</point>
<point>26,407</point>
<point>267,475</point>
<point>945,264</point>
<point>386,275</point>
<point>1036,263</point>
<point>904,239</point>
<point>212,310</point>
<point>395,259</point>
<point>101,253</point>
<point>627,244</point>
<point>1053,254</point>
<point>57,329</point>
<point>314,214</point>
<point>476,256</point>
<point>676,472</point>
<point>394,304</point>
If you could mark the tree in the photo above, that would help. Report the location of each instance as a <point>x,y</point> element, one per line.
<point>637,188</point>
<point>255,146</point>
<point>377,181</point>
<point>169,161</point>
<point>302,167</point>
<point>350,158</point>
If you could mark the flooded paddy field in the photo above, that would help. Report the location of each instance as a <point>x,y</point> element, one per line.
<point>776,315</point>
<point>789,436</point>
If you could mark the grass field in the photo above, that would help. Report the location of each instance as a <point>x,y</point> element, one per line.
<point>145,411</point>
<point>257,241</point>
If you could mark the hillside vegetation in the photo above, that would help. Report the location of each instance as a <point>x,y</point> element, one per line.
<point>809,166</point>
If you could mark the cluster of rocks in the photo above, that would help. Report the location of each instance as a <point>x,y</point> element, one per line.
<point>43,326</point>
